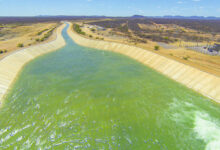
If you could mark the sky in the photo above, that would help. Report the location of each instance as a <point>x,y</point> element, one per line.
<point>110,7</point>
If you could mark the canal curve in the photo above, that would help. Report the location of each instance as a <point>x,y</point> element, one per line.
<point>83,98</point>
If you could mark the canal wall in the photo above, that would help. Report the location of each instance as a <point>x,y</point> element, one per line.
<point>11,65</point>
<point>202,82</point>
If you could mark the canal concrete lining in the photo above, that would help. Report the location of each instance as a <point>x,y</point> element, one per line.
<point>202,82</point>
<point>13,63</point>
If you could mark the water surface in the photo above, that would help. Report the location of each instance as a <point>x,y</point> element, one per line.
<point>82,98</point>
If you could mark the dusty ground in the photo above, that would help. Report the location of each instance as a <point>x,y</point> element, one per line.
<point>13,34</point>
<point>210,64</point>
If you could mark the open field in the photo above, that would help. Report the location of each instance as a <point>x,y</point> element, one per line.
<point>17,36</point>
<point>149,33</point>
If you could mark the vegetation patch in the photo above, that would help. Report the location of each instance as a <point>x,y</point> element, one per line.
<point>78,30</point>
<point>186,57</point>
<point>47,35</point>
<point>40,32</point>
<point>156,47</point>
<point>3,51</point>
<point>165,30</point>
<point>20,45</point>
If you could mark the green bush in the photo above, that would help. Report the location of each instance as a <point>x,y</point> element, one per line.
<point>77,29</point>
<point>186,58</point>
<point>42,39</point>
<point>39,33</point>
<point>166,38</point>
<point>93,30</point>
<point>3,51</point>
<point>156,47</point>
<point>90,36</point>
<point>20,45</point>
<point>37,40</point>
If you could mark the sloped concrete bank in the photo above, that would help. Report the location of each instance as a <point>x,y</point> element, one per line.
<point>13,63</point>
<point>202,82</point>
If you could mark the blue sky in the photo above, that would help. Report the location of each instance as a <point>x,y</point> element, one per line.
<point>110,7</point>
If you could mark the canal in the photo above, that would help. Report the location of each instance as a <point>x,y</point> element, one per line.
<point>83,98</point>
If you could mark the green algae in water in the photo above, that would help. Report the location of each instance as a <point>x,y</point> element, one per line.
<point>82,98</point>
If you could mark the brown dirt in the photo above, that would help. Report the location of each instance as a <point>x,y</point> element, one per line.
<point>206,63</point>
<point>25,34</point>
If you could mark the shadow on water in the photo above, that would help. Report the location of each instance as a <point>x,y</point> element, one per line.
<point>84,98</point>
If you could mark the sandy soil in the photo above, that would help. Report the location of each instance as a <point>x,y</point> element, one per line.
<point>206,63</point>
<point>26,34</point>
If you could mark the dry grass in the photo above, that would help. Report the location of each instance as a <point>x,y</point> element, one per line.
<point>210,64</point>
<point>13,34</point>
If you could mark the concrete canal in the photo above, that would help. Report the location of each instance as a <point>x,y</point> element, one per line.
<point>84,98</point>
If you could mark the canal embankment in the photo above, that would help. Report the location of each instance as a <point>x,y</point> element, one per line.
<point>200,81</point>
<point>11,65</point>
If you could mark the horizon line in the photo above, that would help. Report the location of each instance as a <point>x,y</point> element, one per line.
<point>113,16</point>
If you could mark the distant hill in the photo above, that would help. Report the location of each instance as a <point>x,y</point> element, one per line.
<point>46,18</point>
<point>43,18</point>
<point>179,17</point>
<point>138,16</point>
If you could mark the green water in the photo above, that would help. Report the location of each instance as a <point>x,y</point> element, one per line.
<point>82,98</point>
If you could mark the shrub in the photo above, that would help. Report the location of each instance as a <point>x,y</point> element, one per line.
<point>20,45</point>
<point>93,30</point>
<point>156,47</point>
<point>48,34</point>
<point>90,36</point>
<point>97,38</point>
<point>77,29</point>
<point>166,38</point>
<point>1,51</point>
<point>42,39</point>
<point>39,33</point>
<point>5,51</point>
<point>123,29</point>
<point>186,58</point>
<point>37,40</point>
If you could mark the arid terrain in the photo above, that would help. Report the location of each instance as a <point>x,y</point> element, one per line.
<point>170,38</point>
<point>19,35</point>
